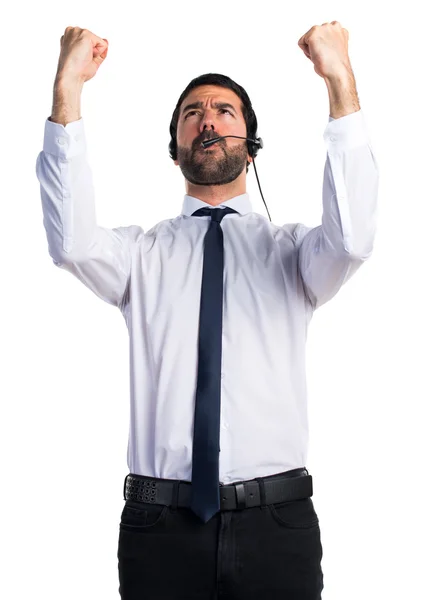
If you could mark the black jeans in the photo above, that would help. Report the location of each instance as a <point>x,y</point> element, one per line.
<point>270,552</point>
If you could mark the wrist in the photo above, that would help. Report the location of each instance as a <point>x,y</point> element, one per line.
<point>67,80</point>
<point>66,99</point>
<point>343,96</point>
<point>342,74</point>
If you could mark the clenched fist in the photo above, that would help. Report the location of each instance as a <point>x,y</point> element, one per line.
<point>326,46</point>
<point>82,53</point>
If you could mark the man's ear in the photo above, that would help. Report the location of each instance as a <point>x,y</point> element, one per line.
<point>176,162</point>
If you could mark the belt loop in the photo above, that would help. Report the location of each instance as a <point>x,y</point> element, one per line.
<point>260,481</point>
<point>174,499</point>
<point>240,495</point>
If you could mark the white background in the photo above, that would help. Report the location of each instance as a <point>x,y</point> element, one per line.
<point>64,382</point>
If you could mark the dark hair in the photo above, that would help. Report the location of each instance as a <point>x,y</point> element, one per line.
<point>226,82</point>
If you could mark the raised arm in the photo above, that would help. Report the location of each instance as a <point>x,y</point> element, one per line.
<point>99,257</point>
<point>332,252</point>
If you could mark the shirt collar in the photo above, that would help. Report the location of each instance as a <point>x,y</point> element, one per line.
<point>239,203</point>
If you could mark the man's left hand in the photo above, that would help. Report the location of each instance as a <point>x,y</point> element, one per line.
<point>326,46</point>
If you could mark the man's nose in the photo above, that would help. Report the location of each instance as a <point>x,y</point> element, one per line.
<point>207,122</point>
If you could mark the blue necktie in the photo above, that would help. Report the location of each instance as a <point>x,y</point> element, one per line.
<point>205,500</point>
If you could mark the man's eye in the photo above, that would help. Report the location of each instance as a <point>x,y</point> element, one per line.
<point>221,109</point>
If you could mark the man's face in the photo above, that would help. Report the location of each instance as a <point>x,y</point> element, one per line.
<point>223,161</point>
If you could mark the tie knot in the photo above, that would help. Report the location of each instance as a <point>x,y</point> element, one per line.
<point>217,214</point>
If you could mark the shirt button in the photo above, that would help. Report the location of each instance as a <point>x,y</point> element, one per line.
<point>225,425</point>
<point>77,137</point>
<point>332,138</point>
<point>61,141</point>
<point>222,375</point>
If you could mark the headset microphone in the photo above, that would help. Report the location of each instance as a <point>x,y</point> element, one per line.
<point>258,142</point>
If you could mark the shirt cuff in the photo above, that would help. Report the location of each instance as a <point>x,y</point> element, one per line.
<point>346,132</point>
<point>64,141</point>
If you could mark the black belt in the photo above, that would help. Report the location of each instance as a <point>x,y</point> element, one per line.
<point>281,487</point>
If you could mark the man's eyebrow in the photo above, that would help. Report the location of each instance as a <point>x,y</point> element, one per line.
<point>215,104</point>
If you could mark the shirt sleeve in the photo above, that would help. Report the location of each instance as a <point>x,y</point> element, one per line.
<point>331,253</point>
<point>98,256</point>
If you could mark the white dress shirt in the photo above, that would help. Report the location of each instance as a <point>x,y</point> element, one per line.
<point>274,278</point>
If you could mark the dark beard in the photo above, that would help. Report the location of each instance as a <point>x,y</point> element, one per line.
<point>213,166</point>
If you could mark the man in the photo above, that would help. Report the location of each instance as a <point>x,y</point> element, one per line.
<point>217,301</point>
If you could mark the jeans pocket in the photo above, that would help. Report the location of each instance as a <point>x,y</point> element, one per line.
<point>295,514</point>
<point>138,516</point>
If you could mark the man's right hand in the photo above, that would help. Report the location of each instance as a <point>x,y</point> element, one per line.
<point>82,53</point>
